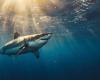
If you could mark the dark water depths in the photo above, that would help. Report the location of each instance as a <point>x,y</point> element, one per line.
<point>71,55</point>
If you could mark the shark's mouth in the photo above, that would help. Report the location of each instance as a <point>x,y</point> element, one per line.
<point>46,37</point>
<point>43,39</point>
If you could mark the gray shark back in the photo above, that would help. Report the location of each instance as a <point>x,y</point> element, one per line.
<point>25,44</point>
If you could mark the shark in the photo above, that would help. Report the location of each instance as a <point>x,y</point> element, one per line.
<point>26,44</point>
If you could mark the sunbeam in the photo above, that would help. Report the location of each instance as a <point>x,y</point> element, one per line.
<point>18,15</point>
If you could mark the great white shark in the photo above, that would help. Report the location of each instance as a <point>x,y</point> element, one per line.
<point>26,44</point>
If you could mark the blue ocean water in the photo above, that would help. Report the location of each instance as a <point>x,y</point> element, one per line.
<point>76,57</point>
<point>71,55</point>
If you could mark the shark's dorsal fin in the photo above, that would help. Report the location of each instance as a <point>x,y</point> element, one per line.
<point>16,35</point>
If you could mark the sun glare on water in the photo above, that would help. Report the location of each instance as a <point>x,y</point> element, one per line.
<point>18,6</point>
<point>23,15</point>
<point>36,16</point>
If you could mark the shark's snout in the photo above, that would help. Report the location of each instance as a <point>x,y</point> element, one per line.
<point>46,36</point>
<point>40,40</point>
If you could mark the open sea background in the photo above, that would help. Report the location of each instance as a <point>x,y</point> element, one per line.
<point>73,52</point>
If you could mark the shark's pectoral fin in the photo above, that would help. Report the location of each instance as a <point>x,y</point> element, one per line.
<point>37,54</point>
<point>21,50</point>
<point>25,46</point>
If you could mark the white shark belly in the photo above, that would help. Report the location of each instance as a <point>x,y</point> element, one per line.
<point>11,51</point>
<point>37,44</point>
